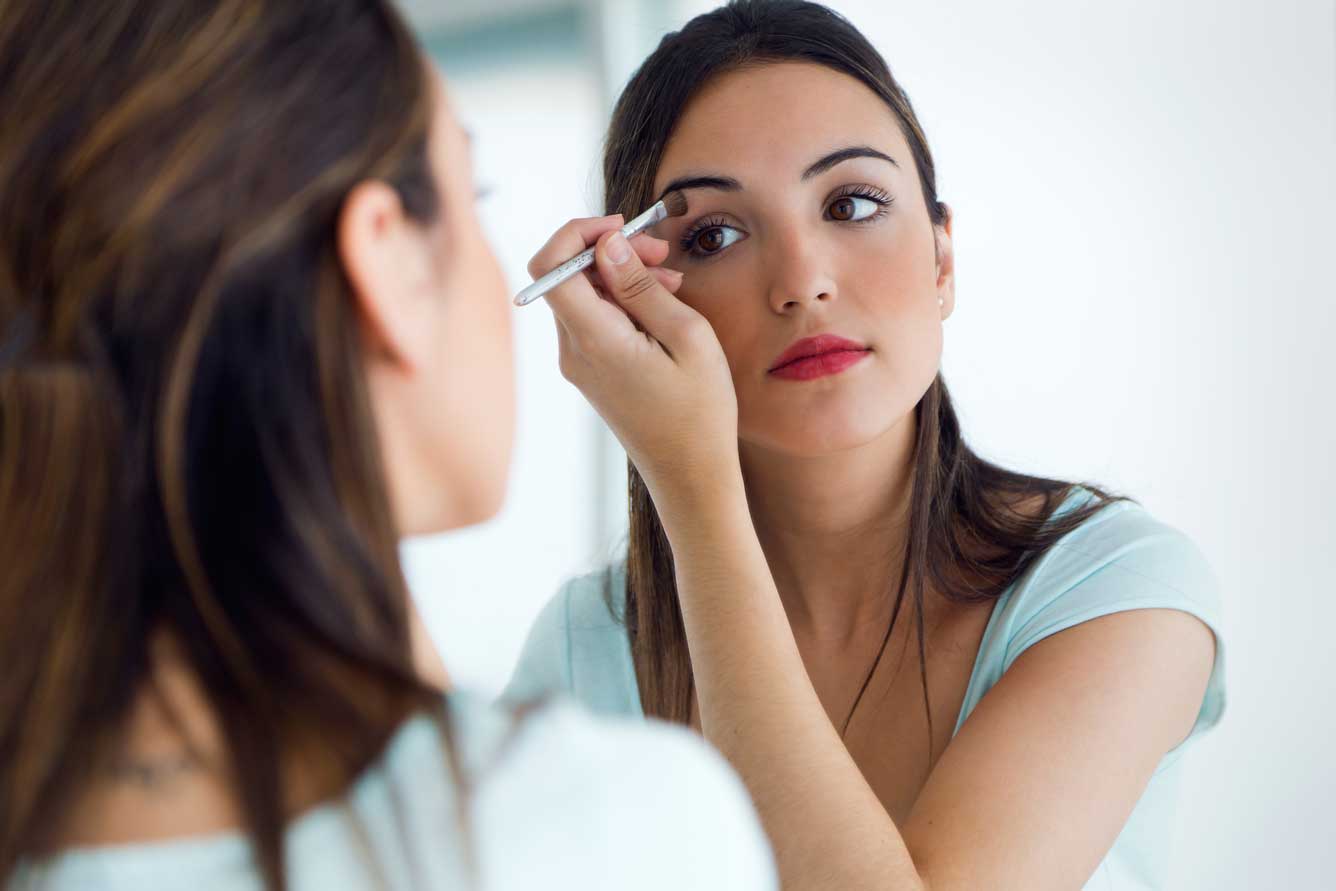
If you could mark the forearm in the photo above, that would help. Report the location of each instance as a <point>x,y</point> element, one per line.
<point>759,708</point>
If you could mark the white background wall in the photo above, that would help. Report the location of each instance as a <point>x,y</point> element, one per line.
<point>1145,198</point>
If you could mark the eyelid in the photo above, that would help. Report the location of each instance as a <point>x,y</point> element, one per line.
<point>861,190</point>
<point>875,194</point>
<point>709,221</point>
<point>866,192</point>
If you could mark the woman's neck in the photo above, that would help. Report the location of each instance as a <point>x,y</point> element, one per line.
<point>833,529</point>
<point>165,777</point>
<point>168,775</point>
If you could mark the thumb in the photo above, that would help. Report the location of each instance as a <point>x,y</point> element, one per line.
<point>637,290</point>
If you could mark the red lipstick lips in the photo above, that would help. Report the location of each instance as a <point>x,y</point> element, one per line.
<point>814,357</point>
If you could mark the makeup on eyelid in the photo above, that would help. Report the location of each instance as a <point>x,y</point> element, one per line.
<point>852,197</point>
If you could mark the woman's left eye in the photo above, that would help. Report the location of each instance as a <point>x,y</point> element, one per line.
<point>853,208</point>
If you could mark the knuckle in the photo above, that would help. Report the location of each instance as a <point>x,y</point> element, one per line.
<point>577,343</point>
<point>565,243</point>
<point>568,363</point>
<point>692,330</point>
<point>637,284</point>
<point>542,261</point>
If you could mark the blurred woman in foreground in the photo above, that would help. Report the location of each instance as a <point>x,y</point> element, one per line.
<point>250,336</point>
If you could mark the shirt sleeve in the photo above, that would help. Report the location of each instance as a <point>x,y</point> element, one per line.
<point>1125,560</point>
<point>712,815</point>
<point>544,665</point>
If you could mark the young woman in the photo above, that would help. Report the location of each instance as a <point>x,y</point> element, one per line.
<point>931,672</point>
<point>250,335</point>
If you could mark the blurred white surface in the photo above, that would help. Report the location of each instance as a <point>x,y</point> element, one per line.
<point>1144,229</point>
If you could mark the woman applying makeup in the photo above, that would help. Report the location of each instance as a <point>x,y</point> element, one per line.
<point>931,672</point>
<point>250,335</point>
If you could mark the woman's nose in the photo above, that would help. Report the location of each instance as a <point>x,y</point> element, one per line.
<point>800,273</point>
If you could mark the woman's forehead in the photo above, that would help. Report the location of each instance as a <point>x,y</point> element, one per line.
<point>775,120</point>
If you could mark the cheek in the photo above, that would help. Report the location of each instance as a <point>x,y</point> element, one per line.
<point>478,310</point>
<point>898,260</point>
<point>897,294</point>
<point>895,284</point>
<point>726,295</point>
<point>491,330</point>
<point>472,384</point>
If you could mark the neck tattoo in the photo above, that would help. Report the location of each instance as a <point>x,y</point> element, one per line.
<point>153,773</point>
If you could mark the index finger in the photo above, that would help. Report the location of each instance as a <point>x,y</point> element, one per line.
<point>569,240</point>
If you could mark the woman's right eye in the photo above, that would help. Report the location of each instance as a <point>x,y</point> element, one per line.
<point>710,239</point>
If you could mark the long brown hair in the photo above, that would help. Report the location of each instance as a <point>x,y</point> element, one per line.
<point>186,441</point>
<point>968,535</point>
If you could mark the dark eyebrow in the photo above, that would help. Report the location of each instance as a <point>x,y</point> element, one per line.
<point>821,165</point>
<point>839,156</point>
<point>723,183</point>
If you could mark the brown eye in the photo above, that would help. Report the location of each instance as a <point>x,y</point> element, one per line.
<point>842,210</point>
<point>710,240</point>
<point>857,208</point>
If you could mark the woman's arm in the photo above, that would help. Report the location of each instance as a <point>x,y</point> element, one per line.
<point>1035,787</point>
<point>759,709</point>
<point>1029,795</point>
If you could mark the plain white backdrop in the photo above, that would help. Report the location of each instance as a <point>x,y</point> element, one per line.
<point>1145,232</point>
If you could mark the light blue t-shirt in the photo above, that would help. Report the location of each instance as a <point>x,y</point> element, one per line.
<point>566,801</point>
<point>1119,559</point>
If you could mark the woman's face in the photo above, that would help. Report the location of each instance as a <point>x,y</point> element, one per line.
<point>473,406</point>
<point>441,366</point>
<point>791,236</point>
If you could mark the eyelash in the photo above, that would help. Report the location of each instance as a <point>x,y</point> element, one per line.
<point>877,196</point>
<point>705,225</point>
<point>881,198</point>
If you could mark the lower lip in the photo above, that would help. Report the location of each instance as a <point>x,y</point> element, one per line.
<point>819,366</point>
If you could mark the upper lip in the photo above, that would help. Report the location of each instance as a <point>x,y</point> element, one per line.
<point>816,346</point>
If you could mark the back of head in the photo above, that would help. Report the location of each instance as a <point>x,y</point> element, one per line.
<point>186,444</point>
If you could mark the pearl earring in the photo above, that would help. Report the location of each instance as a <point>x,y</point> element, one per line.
<point>941,301</point>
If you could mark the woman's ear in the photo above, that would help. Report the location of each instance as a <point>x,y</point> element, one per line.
<point>946,264</point>
<point>387,259</point>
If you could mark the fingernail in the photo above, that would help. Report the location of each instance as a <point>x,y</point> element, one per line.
<point>619,250</point>
<point>677,276</point>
